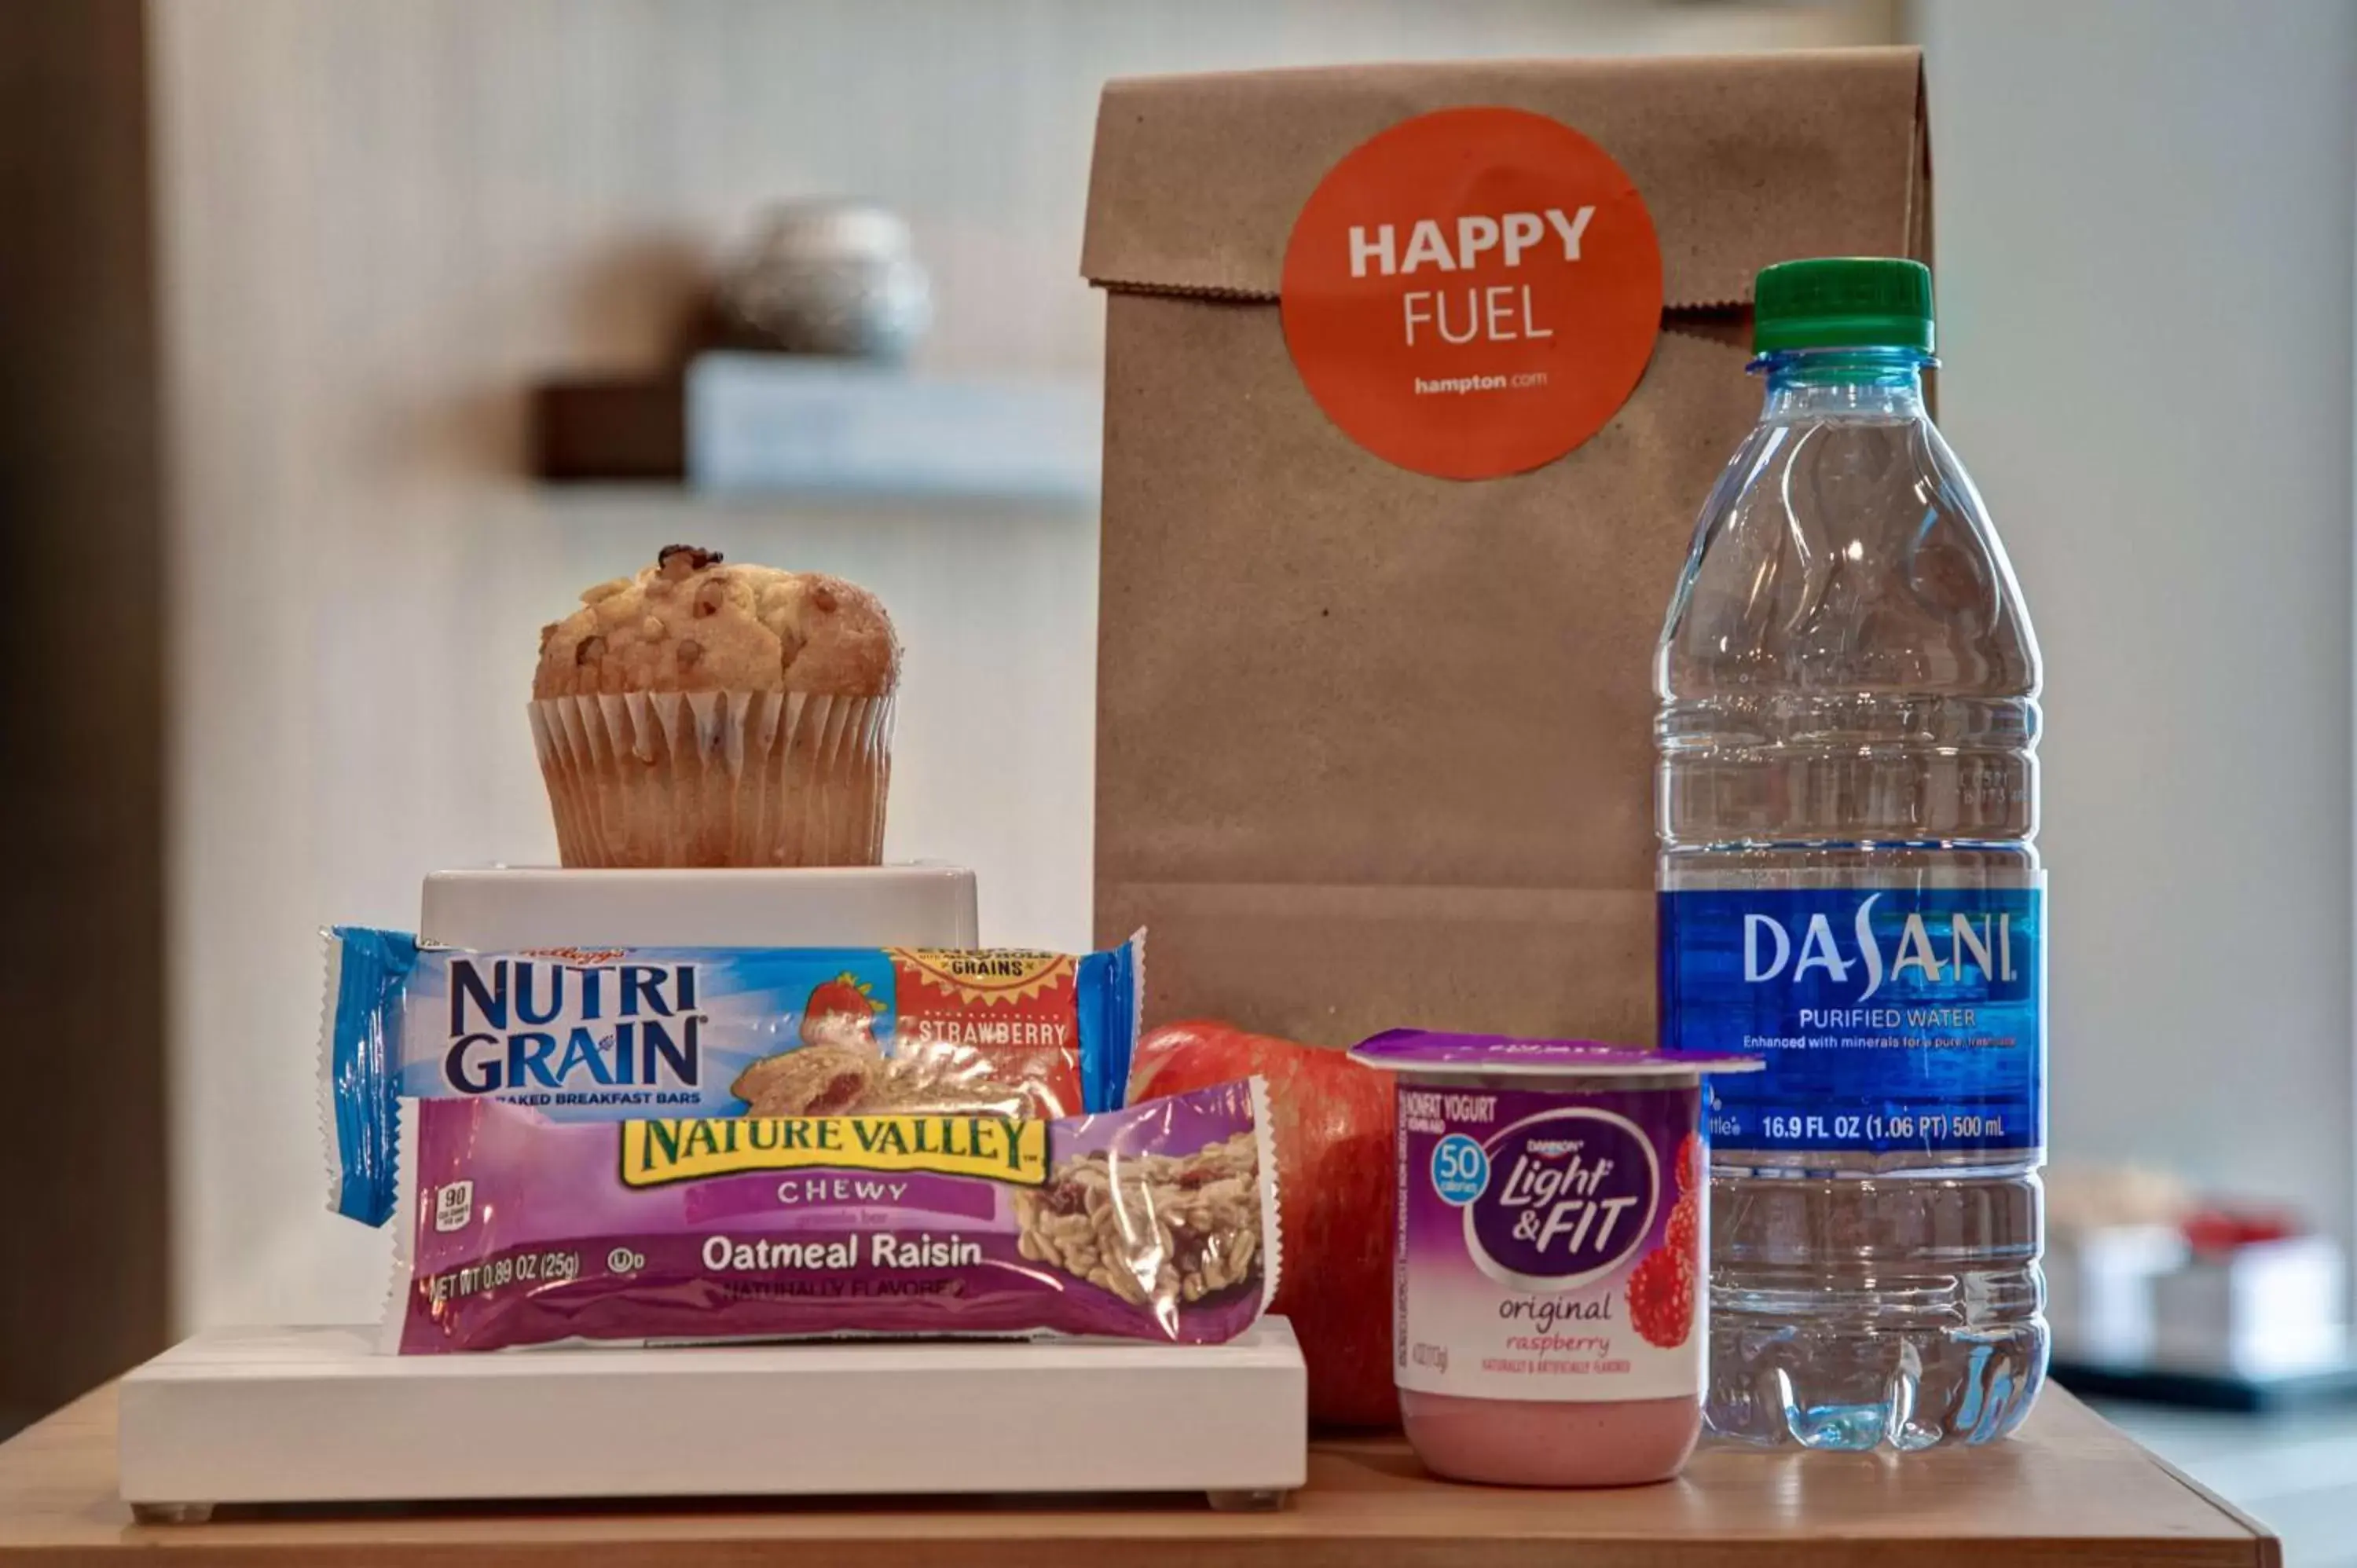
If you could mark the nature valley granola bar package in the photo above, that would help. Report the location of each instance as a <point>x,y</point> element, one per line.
<point>611,1034</point>
<point>1157,1221</point>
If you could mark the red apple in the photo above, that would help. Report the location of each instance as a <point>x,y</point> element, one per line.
<point>1332,1121</point>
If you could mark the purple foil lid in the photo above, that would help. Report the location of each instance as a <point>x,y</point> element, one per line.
<point>1406,1051</point>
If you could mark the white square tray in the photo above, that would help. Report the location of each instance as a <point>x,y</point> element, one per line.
<point>289,1415</point>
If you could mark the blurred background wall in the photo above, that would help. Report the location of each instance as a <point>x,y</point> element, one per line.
<point>2147,213</point>
<point>383,219</point>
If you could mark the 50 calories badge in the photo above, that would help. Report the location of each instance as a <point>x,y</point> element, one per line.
<point>1472,293</point>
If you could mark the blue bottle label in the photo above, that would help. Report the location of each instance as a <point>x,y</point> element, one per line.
<point>1890,1019</point>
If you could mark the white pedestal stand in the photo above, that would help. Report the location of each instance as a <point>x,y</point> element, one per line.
<point>315,1415</point>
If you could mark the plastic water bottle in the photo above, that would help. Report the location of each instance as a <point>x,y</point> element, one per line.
<point>1847,796</point>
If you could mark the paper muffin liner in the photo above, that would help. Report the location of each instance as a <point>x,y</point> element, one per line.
<point>709,778</point>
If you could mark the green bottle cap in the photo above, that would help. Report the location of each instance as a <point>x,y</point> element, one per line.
<point>1842,302</point>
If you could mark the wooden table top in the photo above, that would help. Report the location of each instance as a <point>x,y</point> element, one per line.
<point>2070,1489</point>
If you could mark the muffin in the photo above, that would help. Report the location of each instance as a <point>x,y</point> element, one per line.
<point>701,713</point>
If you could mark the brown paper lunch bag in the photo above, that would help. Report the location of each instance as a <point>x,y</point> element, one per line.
<point>1374,748</point>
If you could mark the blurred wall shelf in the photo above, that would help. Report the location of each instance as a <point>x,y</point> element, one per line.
<point>778,425</point>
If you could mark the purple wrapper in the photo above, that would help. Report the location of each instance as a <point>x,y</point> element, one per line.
<point>1155,1222</point>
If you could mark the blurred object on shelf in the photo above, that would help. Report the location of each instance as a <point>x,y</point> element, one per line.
<point>2099,1289</point>
<point>826,277</point>
<point>763,424</point>
<point>2157,1293</point>
<point>2111,1231</point>
<point>2088,1197</point>
<point>793,424</point>
<point>2266,1305</point>
<point>2213,1230</point>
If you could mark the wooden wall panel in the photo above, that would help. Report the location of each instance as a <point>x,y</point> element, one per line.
<point>82,1238</point>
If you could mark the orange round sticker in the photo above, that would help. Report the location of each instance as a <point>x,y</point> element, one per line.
<point>1474,291</point>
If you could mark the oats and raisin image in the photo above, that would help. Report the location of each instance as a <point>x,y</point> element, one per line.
<point>1164,1229</point>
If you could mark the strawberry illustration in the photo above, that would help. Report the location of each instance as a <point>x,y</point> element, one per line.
<point>839,1009</point>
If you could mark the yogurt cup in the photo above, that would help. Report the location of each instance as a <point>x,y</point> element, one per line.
<point>1548,1293</point>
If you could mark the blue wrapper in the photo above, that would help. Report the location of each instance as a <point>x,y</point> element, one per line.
<point>619,1034</point>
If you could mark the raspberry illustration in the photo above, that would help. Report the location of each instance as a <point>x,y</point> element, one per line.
<point>1684,1235</point>
<point>1693,1164</point>
<point>1661,1298</point>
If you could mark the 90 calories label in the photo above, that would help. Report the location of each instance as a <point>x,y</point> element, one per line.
<point>1549,1243</point>
<point>1890,1019</point>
